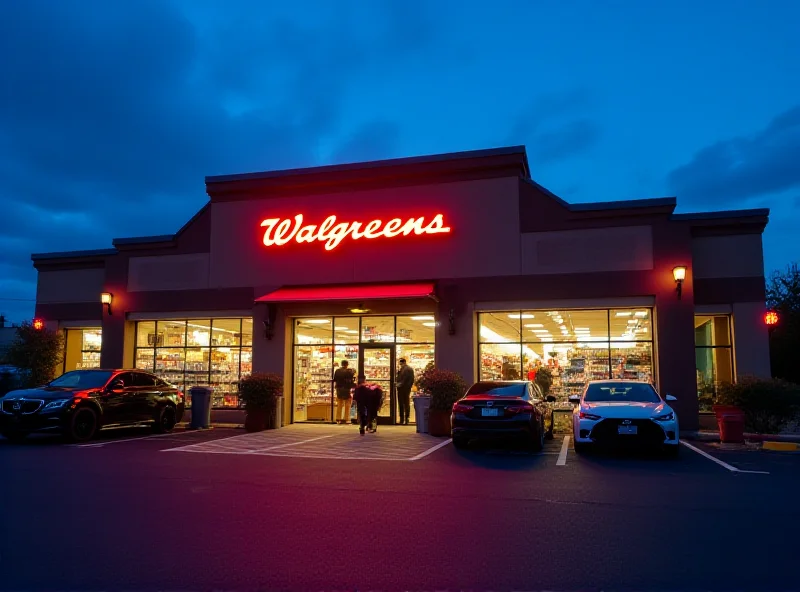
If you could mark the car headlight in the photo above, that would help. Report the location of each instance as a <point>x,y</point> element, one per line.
<point>666,417</point>
<point>591,416</point>
<point>57,404</point>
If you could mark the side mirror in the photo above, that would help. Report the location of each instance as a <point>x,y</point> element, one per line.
<point>551,399</point>
<point>575,399</point>
<point>116,386</point>
<point>670,398</point>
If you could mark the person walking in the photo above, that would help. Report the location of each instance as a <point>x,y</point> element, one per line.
<point>367,400</point>
<point>404,380</point>
<point>343,381</point>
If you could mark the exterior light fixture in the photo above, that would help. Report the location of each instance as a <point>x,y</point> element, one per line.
<point>359,309</point>
<point>106,298</point>
<point>771,318</point>
<point>38,324</point>
<point>679,274</point>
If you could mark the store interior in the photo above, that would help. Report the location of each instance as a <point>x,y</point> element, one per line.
<point>82,348</point>
<point>198,352</point>
<point>713,356</point>
<point>576,346</point>
<point>370,344</point>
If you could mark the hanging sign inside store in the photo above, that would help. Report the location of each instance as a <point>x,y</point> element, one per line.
<point>279,232</point>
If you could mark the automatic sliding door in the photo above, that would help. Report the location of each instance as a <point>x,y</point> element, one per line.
<point>377,365</point>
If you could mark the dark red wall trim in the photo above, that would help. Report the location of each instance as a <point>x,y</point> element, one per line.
<point>70,311</point>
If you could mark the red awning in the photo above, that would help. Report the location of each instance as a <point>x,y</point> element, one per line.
<point>350,292</point>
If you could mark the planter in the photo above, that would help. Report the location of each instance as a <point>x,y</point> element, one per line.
<point>730,420</point>
<point>439,423</point>
<point>256,420</point>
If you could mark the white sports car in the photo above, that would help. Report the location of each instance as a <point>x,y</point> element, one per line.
<point>621,411</point>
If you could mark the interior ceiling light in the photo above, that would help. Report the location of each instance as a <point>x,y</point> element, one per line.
<point>428,324</point>
<point>517,315</point>
<point>633,322</point>
<point>351,331</point>
<point>423,318</point>
<point>533,325</point>
<point>316,321</point>
<point>641,313</point>
<point>624,314</point>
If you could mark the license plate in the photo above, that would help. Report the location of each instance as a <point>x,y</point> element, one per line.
<point>490,412</point>
<point>627,430</point>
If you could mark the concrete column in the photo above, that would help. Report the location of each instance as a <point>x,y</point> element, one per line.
<point>456,352</point>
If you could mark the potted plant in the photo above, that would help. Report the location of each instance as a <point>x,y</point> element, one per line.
<point>765,406</point>
<point>445,388</point>
<point>260,392</point>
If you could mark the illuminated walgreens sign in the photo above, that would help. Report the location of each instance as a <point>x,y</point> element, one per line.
<point>279,232</point>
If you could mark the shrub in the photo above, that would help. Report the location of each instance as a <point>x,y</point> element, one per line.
<point>260,391</point>
<point>768,405</point>
<point>445,387</point>
<point>37,353</point>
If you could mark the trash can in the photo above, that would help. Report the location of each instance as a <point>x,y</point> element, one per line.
<point>277,419</point>
<point>731,428</point>
<point>201,407</point>
<point>422,406</point>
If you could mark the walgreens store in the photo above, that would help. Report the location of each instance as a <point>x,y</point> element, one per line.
<point>461,259</point>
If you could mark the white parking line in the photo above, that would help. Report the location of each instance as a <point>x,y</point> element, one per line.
<point>431,450</point>
<point>721,463</point>
<point>261,450</point>
<point>562,456</point>
<point>154,436</point>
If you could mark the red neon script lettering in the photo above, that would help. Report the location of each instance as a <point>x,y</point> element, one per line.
<point>279,231</point>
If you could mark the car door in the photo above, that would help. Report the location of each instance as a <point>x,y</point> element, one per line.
<point>115,400</point>
<point>148,395</point>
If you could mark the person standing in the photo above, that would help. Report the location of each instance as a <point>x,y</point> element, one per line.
<point>405,380</point>
<point>367,400</point>
<point>343,381</point>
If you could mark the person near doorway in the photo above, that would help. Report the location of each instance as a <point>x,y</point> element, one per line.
<point>343,381</point>
<point>405,380</point>
<point>367,400</point>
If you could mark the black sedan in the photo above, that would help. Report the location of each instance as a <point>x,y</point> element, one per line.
<point>79,403</point>
<point>509,408</point>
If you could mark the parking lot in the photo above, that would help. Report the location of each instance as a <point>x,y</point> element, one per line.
<point>228,509</point>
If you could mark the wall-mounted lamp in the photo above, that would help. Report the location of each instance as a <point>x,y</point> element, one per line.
<point>106,298</point>
<point>679,274</point>
<point>452,319</point>
<point>359,309</point>
<point>269,322</point>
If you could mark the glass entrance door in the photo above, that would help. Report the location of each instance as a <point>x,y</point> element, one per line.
<point>377,364</point>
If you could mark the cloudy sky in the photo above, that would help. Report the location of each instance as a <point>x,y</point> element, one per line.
<point>112,113</point>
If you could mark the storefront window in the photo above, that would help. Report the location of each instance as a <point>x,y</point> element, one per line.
<point>323,343</point>
<point>576,346</point>
<point>713,356</point>
<point>82,349</point>
<point>198,352</point>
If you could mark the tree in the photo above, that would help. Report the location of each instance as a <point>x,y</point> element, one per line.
<point>783,296</point>
<point>37,353</point>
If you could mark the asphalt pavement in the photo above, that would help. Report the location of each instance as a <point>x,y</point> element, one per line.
<point>322,508</point>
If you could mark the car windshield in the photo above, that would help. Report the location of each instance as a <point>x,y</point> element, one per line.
<point>498,389</point>
<point>621,392</point>
<point>82,379</point>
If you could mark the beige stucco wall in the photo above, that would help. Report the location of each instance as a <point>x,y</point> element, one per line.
<point>727,256</point>
<point>71,285</point>
<point>168,272</point>
<point>751,340</point>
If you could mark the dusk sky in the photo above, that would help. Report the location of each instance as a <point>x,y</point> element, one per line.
<point>112,113</point>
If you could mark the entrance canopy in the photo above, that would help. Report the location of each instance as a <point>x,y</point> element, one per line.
<point>350,292</point>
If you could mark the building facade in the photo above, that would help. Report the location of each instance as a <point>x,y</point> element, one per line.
<point>458,259</point>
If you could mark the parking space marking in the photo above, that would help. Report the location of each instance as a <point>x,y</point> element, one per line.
<point>151,437</point>
<point>721,463</point>
<point>431,450</point>
<point>262,450</point>
<point>562,456</point>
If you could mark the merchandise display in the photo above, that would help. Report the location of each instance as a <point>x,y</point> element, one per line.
<point>215,353</point>
<point>82,349</point>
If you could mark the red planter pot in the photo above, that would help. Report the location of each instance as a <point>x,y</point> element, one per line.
<point>256,420</point>
<point>439,423</point>
<point>730,420</point>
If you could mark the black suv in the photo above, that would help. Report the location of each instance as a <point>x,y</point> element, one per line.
<point>80,402</point>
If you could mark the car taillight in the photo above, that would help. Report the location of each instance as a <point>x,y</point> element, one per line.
<point>515,409</point>
<point>584,415</point>
<point>462,408</point>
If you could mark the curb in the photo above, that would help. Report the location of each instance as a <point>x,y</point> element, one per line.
<point>765,438</point>
<point>781,446</point>
<point>187,427</point>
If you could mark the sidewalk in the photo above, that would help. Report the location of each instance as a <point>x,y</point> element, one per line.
<point>780,442</point>
<point>220,418</point>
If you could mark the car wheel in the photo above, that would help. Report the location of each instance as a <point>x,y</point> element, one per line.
<point>672,450</point>
<point>581,448</point>
<point>83,425</point>
<point>460,442</point>
<point>15,436</point>
<point>166,420</point>
<point>537,439</point>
